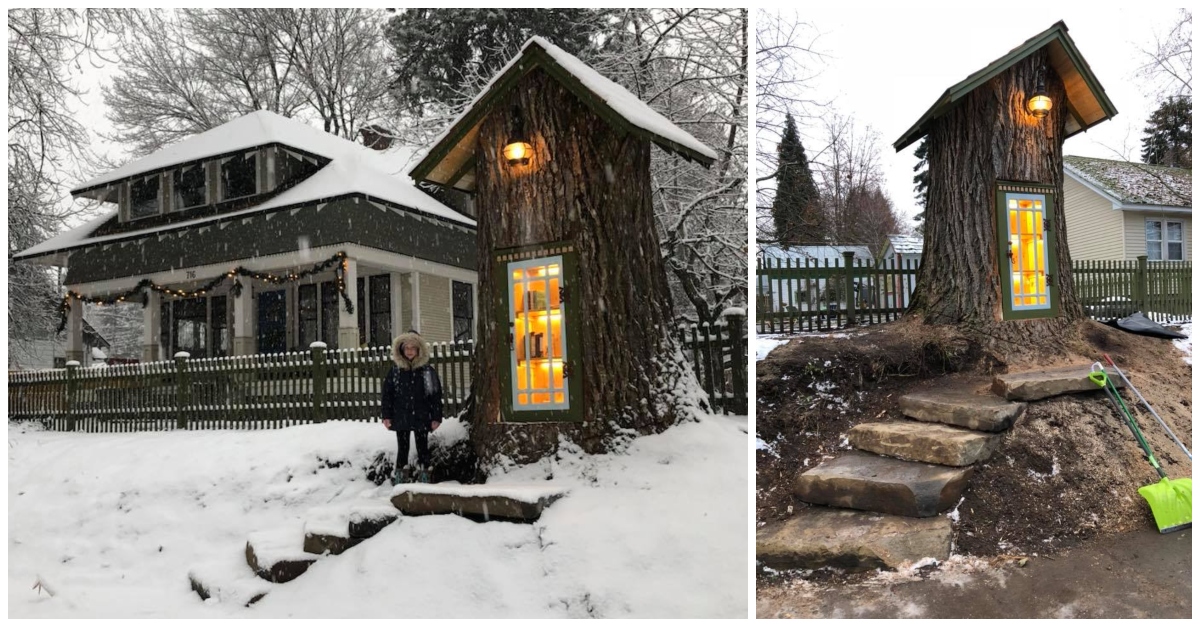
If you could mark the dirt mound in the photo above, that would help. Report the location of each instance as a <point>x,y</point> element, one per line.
<point>1067,471</point>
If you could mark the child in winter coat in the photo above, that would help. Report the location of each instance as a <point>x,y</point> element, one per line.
<point>412,403</point>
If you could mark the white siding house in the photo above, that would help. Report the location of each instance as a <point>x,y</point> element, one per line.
<point>1117,210</point>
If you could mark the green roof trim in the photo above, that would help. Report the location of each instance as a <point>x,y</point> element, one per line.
<point>1057,32</point>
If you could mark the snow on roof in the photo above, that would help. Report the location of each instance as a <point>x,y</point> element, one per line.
<point>1135,183</point>
<point>832,252</point>
<point>622,101</point>
<point>907,244</point>
<point>354,169</point>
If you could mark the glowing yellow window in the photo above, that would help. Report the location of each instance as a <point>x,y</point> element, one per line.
<point>538,348</point>
<point>1026,263</point>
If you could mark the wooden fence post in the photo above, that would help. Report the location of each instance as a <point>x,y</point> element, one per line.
<point>72,389</point>
<point>318,380</point>
<point>848,273</point>
<point>182,389</point>
<point>1141,285</point>
<point>736,326</point>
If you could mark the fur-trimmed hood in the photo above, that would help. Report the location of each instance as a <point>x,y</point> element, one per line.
<point>398,354</point>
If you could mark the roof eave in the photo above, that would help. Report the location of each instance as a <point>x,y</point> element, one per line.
<point>534,56</point>
<point>952,94</point>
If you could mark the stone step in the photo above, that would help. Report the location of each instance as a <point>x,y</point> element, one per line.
<point>336,527</point>
<point>882,484</point>
<point>924,442</point>
<point>485,502</point>
<point>959,405</point>
<point>854,541</point>
<point>278,555</point>
<point>228,581</point>
<point>1035,385</point>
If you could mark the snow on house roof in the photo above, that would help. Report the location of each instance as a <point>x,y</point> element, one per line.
<point>1134,183</point>
<point>833,252</point>
<point>907,244</point>
<point>454,146</point>
<point>353,169</point>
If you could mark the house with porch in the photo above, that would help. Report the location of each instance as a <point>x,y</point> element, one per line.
<point>264,235</point>
<point>1120,210</point>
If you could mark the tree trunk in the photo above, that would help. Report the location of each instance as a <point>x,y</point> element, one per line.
<point>990,136</point>
<point>588,185</point>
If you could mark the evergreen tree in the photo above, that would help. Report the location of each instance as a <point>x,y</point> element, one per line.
<point>796,210</point>
<point>921,180</point>
<point>438,51</point>
<point>1168,139</point>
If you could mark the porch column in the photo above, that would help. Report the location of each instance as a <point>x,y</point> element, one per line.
<point>348,322</point>
<point>75,332</point>
<point>243,320</point>
<point>414,280</point>
<point>151,327</point>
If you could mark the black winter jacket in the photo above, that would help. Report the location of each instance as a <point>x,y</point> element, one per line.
<point>412,399</point>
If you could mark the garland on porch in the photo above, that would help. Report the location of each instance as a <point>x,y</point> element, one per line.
<point>339,260</point>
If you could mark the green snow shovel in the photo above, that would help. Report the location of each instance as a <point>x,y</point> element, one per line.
<point>1170,501</point>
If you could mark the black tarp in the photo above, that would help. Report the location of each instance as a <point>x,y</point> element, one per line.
<point>1139,324</point>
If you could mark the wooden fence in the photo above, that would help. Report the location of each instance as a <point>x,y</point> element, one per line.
<point>798,296</point>
<point>283,389</point>
<point>719,355</point>
<point>1113,289</point>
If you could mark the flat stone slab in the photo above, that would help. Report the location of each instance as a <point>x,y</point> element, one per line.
<point>336,527</point>
<point>278,555</point>
<point>924,442</point>
<point>228,582</point>
<point>1035,385</point>
<point>960,406</point>
<point>850,540</point>
<point>518,503</point>
<point>883,485</point>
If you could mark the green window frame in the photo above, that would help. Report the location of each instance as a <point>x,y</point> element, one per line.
<point>1025,247</point>
<point>529,335</point>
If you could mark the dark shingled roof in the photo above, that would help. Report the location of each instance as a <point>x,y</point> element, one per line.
<point>1135,183</point>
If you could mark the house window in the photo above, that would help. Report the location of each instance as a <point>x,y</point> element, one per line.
<point>60,362</point>
<point>1156,244</point>
<point>220,326</point>
<point>191,326</point>
<point>381,310</point>
<point>189,188</point>
<point>164,329</point>
<point>329,313</point>
<point>464,310</point>
<point>308,315</point>
<point>143,197</point>
<point>239,176</point>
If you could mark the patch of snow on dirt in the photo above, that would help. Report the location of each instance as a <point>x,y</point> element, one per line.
<point>1185,345</point>
<point>764,345</point>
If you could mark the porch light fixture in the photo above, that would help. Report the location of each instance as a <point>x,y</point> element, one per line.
<point>1039,103</point>
<point>518,150</point>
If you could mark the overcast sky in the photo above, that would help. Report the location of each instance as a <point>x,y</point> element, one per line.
<point>888,66</point>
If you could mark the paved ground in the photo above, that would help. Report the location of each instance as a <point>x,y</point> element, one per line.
<point>1137,575</point>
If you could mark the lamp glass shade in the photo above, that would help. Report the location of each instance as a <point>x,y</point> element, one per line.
<point>1040,104</point>
<point>518,152</point>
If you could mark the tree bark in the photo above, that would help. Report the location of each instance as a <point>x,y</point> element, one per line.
<point>989,136</point>
<point>588,184</point>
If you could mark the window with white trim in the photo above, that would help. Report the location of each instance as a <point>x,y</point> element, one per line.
<point>239,176</point>
<point>189,189</point>
<point>143,197</point>
<point>1164,244</point>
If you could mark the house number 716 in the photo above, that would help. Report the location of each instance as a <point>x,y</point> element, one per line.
<point>191,274</point>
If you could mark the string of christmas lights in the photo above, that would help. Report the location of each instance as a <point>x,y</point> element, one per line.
<point>340,260</point>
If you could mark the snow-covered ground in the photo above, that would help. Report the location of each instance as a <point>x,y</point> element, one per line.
<point>1185,346</point>
<point>111,524</point>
